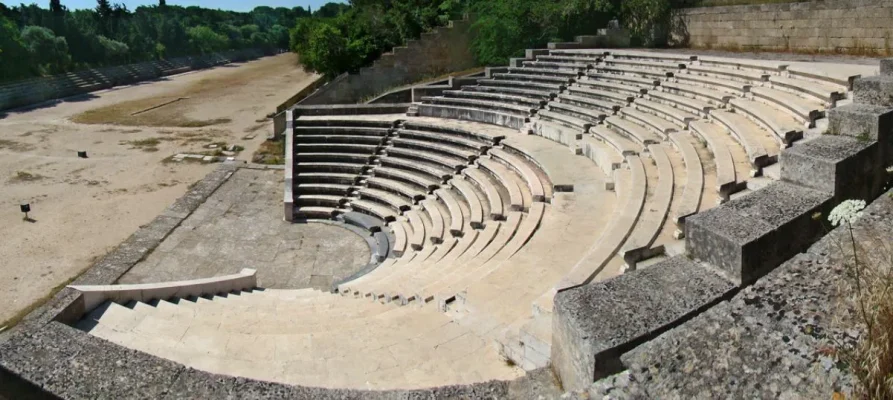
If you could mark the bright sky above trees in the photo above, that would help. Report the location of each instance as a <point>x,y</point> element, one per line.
<point>235,5</point>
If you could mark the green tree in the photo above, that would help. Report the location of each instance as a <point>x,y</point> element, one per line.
<point>103,15</point>
<point>234,35</point>
<point>172,34</point>
<point>47,50</point>
<point>204,40</point>
<point>56,7</point>
<point>111,34</point>
<point>324,49</point>
<point>330,10</point>
<point>114,51</point>
<point>647,20</point>
<point>279,35</point>
<point>12,52</point>
<point>248,30</point>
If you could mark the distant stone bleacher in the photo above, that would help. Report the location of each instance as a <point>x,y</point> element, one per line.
<point>37,90</point>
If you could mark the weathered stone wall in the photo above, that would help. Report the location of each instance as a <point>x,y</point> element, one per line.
<point>33,91</point>
<point>845,26</point>
<point>445,50</point>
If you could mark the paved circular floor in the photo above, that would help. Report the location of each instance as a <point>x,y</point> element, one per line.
<point>241,226</point>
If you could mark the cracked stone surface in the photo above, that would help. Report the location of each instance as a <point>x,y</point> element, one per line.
<point>240,226</point>
<point>774,339</point>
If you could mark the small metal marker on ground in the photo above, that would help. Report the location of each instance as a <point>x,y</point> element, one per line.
<point>26,208</point>
<point>82,154</point>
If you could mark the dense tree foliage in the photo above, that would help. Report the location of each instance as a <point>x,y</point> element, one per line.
<point>35,41</point>
<point>340,38</point>
<point>363,30</point>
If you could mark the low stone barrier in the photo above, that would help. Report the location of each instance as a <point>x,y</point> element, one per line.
<point>349,109</point>
<point>95,295</point>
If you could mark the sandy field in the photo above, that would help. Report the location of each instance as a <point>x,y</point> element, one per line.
<point>82,208</point>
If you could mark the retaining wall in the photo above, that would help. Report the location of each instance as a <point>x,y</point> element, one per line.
<point>33,91</point>
<point>444,50</point>
<point>844,26</point>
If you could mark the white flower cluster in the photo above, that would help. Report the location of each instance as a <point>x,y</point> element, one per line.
<point>848,211</point>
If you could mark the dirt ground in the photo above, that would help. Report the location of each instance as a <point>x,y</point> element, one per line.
<point>82,208</point>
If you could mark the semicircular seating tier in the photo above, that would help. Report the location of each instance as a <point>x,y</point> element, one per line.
<point>568,168</point>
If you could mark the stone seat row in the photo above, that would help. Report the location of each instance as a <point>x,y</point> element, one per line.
<point>326,167</point>
<point>507,99</point>
<point>804,100</point>
<point>681,110</point>
<point>567,104</point>
<point>749,135</point>
<point>440,273</point>
<point>406,279</point>
<point>388,183</point>
<point>824,87</point>
<point>737,76</point>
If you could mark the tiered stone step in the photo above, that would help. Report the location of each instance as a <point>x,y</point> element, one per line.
<point>618,98</point>
<point>531,103</point>
<point>654,212</point>
<point>761,147</point>
<point>297,341</point>
<point>690,201</point>
<point>608,86</point>
<point>722,147</point>
<point>496,105</point>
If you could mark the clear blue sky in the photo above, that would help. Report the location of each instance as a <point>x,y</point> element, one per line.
<point>235,5</point>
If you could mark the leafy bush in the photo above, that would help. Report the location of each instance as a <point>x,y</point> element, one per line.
<point>113,50</point>
<point>204,40</point>
<point>504,29</point>
<point>47,50</point>
<point>367,29</point>
<point>12,51</point>
<point>646,20</point>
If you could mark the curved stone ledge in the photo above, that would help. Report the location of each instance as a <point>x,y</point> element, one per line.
<point>95,295</point>
<point>58,361</point>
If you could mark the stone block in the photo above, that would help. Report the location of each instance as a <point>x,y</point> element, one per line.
<point>531,54</point>
<point>867,121</point>
<point>751,235</point>
<point>845,167</point>
<point>887,66</point>
<point>875,90</point>
<point>593,325</point>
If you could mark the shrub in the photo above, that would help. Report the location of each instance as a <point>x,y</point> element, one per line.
<point>647,20</point>
<point>113,50</point>
<point>204,40</point>
<point>47,50</point>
